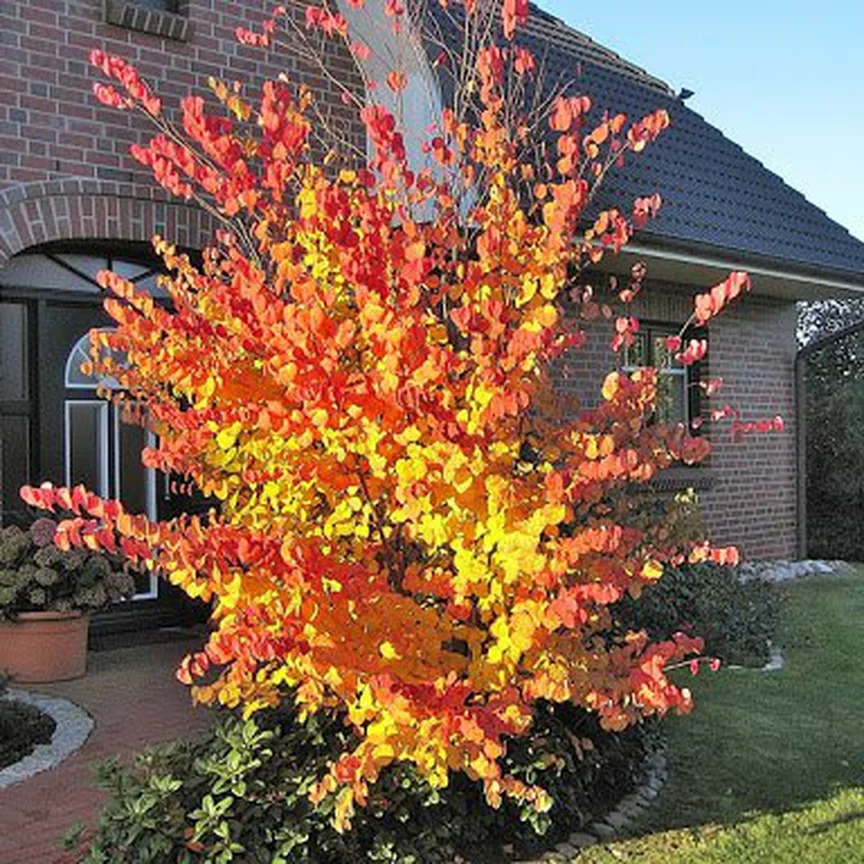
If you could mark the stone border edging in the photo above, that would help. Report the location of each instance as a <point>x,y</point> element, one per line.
<point>74,726</point>
<point>617,820</point>
<point>780,571</point>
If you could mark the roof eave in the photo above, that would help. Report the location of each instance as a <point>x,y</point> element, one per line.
<point>702,265</point>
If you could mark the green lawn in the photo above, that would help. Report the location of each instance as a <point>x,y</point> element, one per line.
<point>770,767</point>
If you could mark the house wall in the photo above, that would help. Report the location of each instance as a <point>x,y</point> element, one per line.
<point>64,168</point>
<point>752,502</point>
<point>65,174</point>
<point>746,488</point>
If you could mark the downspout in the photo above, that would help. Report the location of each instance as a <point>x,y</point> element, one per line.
<point>801,454</point>
<point>801,425</point>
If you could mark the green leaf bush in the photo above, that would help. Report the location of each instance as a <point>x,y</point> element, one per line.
<point>36,576</point>
<point>737,620</point>
<point>241,795</point>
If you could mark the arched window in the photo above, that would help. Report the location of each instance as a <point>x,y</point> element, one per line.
<point>100,450</point>
<point>74,376</point>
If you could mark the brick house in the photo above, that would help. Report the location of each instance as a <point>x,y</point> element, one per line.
<point>72,202</point>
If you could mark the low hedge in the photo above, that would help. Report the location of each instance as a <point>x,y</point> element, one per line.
<point>241,795</point>
<point>737,620</point>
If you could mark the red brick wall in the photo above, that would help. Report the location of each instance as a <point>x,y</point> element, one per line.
<point>67,155</point>
<point>752,501</point>
<point>749,499</point>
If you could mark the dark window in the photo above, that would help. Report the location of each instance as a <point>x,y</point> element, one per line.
<point>677,386</point>
<point>162,5</point>
<point>166,18</point>
<point>16,407</point>
<point>13,352</point>
<point>87,444</point>
<point>14,465</point>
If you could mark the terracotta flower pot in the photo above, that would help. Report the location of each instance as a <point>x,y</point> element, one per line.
<point>38,647</point>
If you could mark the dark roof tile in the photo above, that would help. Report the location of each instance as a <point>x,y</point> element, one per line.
<point>714,192</point>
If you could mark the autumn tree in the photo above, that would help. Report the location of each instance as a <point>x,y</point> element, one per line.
<point>407,527</point>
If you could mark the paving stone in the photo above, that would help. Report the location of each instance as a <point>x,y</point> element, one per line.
<point>567,850</point>
<point>581,840</point>
<point>135,701</point>
<point>602,830</point>
<point>618,820</point>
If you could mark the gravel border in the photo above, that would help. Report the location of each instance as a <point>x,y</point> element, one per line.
<point>74,726</point>
<point>787,571</point>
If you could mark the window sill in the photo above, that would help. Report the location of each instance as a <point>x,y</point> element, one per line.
<point>681,478</point>
<point>156,22</point>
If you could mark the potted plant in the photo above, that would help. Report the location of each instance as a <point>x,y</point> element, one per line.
<point>46,595</point>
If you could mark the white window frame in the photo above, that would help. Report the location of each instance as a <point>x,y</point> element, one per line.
<point>650,332</point>
<point>82,345</point>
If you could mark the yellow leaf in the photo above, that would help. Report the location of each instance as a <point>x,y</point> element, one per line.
<point>388,652</point>
<point>610,386</point>
<point>226,438</point>
<point>652,570</point>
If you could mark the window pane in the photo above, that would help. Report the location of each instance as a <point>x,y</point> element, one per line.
<point>132,486</point>
<point>40,271</point>
<point>132,476</point>
<point>14,464</point>
<point>90,265</point>
<point>13,351</point>
<point>87,447</point>
<point>75,376</point>
<point>128,269</point>
<point>671,397</point>
<point>165,5</point>
<point>637,354</point>
<point>663,358</point>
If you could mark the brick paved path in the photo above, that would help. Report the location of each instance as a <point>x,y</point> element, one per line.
<point>132,695</point>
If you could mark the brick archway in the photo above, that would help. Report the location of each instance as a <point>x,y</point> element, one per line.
<point>89,210</point>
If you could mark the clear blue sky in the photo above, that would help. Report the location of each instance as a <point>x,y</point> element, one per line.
<point>785,80</point>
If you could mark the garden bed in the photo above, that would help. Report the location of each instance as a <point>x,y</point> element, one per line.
<point>22,728</point>
<point>40,732</point>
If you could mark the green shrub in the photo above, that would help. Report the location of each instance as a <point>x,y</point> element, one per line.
<point>241,795</point>
<point>22,727</point>
<point>737,620</point>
